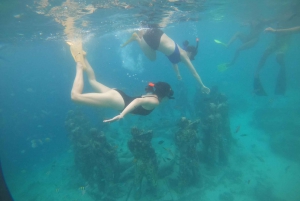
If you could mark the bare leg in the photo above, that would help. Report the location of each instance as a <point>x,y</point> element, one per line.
<point>77,51</point>
<point>148,51</point>
<point>134,37</point>
<point>281,78</point>
<point>248,44</point>
<point>109,99</point>
<point>245,46</point>
<point>263,61</point>
<point>78,81</point>
<point>258,88</point>
<point>234,38</point>
<point>97,86</point>
<point>280,59</point>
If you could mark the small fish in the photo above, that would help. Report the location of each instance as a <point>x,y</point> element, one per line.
<point>243,135</point>
<point>237,129</point>
<point>168,159</point>
<point>161,141</point>
<point>81,188</point>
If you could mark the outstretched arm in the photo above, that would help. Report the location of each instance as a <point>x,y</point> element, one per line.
<point>289,30</point>
<point>189,64</point>
<point>148,102</point>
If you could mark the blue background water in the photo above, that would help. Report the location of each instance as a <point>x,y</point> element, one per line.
<point>37,76</point>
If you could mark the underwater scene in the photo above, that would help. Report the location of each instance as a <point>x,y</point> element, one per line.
<point>167,100</point>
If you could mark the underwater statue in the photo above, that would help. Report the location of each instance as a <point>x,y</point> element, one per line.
<point>187,140</point>
<point>217,139</point>
<point>145,160</point>
<point>94,157</point>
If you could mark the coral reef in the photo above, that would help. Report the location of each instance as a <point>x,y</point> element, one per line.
<point>217,139</point>
<point>95,158</point>
<point>187,140</point>
<point>185,148</point>
<point>145,160</point>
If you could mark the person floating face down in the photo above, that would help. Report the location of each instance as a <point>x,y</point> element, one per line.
<point>288,24</point>
<point>144,105</point>
<point>114,98</point>
<point>154,39</point>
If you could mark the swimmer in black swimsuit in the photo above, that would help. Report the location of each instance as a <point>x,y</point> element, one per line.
<point>151,40</point>
<point>114,98</point>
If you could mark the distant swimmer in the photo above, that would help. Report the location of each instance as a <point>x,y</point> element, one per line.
<point>154,39</point>
<point>287,25</point>
<point>114,98</point>
<point>248,40</point>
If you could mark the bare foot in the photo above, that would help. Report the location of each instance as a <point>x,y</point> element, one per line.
<point>77,52</point>
<point>133,37</point>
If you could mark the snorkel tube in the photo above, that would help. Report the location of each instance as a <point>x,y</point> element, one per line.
<point>197,43</point>
<point>193,50</point>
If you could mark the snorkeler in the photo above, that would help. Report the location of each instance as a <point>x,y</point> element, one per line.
<point>248,40</point>
<point>115,98</point>
<point>279,45</point>
<point>154,39</point>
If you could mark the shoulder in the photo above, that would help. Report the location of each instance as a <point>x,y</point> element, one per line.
<point>149,96</point>
<point>149,99</point>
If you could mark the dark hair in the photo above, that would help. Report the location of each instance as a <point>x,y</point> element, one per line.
<point>190,48</point>
<point>162,89</point>
<point>185,44</point>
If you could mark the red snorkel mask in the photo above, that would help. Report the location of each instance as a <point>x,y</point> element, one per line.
<point>151,84</point>
<point>150,87</point>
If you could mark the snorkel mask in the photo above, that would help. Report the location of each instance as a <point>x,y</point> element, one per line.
<point>162,89</point>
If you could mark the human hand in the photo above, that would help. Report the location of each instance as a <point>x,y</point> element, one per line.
<point>116,118</point>
<point>204,89</point>
<point>270,29</point>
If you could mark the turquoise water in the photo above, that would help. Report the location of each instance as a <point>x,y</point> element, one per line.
<point>54,149</point>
